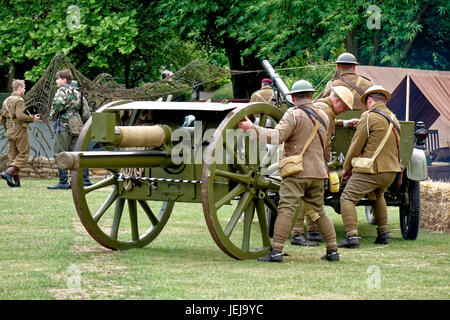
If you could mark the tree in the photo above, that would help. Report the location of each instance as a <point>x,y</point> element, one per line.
<point>42,29</point>
<point>390,33</point>
<point>215,24</point>
<point>117,37</point>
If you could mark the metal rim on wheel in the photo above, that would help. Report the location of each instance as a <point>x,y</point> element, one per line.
<point>248,188</point>
<point>108,223</point>
<point>370,215</point>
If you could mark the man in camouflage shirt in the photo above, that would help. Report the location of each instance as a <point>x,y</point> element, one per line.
<point>67,104</point>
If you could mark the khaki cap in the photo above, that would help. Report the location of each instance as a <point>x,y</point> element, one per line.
<point>345,95</point>
<point>375,89</point>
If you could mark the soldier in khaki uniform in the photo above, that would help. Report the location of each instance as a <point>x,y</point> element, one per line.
<point>371,130</point>
<point>347,77</point>
<point>16,122</point>
<point>265,94</point>
<point>339,101</point>
<point>294,129</point>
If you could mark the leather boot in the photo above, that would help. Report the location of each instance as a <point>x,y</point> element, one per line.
<point>314,236</point>
<point>272,256</point>
<point>331,255</point>
<point>62,184</point>
<point>16,178</point>
<point>8,176</point>
<point>86,181</point>
<point>351,242</point>
<point>383,238</point>
<point>300,240</point>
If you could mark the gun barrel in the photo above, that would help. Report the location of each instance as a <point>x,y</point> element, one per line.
<point>279,83</point>
<point>110,159</point>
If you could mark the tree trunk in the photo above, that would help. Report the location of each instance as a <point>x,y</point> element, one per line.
<point>351,44</point>
<point>10,78</point>
<point>407,45</point>
<point>253,79</point>
<point>246,83</point>
<point>127,71</point>
<point>238,81</point>
<point>376,45</point>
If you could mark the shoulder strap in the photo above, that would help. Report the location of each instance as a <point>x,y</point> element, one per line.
<point>351,84</point>
<point>310,112</point>
<point>7,107</point>
<point>383,142</point>
<point>310,138</point>
<point>387,117</point>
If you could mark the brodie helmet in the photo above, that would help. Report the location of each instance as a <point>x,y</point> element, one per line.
<point>346,58</point>
<point>301,86</point>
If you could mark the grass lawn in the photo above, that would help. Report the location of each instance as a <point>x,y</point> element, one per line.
<point>45,253</point>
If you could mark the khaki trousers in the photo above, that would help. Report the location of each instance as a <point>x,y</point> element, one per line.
<point>18,144</point>
<point>304,215</point>
<point>359,185</point>
<point>63,142</point>
<point>292,192</point>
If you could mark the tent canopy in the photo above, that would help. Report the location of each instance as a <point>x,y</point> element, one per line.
<point>390,78</point>
<point>428,98</point>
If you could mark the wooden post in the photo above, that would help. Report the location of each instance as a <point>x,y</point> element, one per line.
<point>407,97</point>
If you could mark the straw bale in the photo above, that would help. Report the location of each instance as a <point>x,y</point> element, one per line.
<point>435,205</point>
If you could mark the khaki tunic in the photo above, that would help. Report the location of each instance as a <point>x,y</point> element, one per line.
<point>370,132</point>
<point>327,106</point>
<point>360,82</point>
<point>294,129</point>
<point>15,121</point>
<point>265,95</point>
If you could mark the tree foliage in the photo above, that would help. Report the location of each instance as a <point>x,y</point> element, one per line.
<point>38,30</point>
<point>134,39</point>
<point>113,36</point>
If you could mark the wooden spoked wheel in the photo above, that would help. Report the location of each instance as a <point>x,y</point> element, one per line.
<point>111,216</point>
<point>235,189</point>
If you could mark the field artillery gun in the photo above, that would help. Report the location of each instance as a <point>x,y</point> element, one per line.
<point>154,154</point>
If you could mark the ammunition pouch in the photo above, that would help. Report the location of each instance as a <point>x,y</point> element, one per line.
<point>291,165</point>
<point>294,164</point>
<point>363,165</point>
<point>75,126</point>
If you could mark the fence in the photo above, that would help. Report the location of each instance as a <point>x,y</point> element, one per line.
<point>41,163</point>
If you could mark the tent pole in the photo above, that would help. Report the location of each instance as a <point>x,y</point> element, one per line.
<point>407,98</point>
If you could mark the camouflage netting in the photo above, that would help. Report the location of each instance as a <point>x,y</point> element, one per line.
<point>104,88</point>
<point>101,90</point>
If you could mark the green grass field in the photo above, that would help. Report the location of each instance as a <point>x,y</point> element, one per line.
<point>45,253</point>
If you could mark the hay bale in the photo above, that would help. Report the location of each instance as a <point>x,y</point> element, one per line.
<point>435,205</point>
